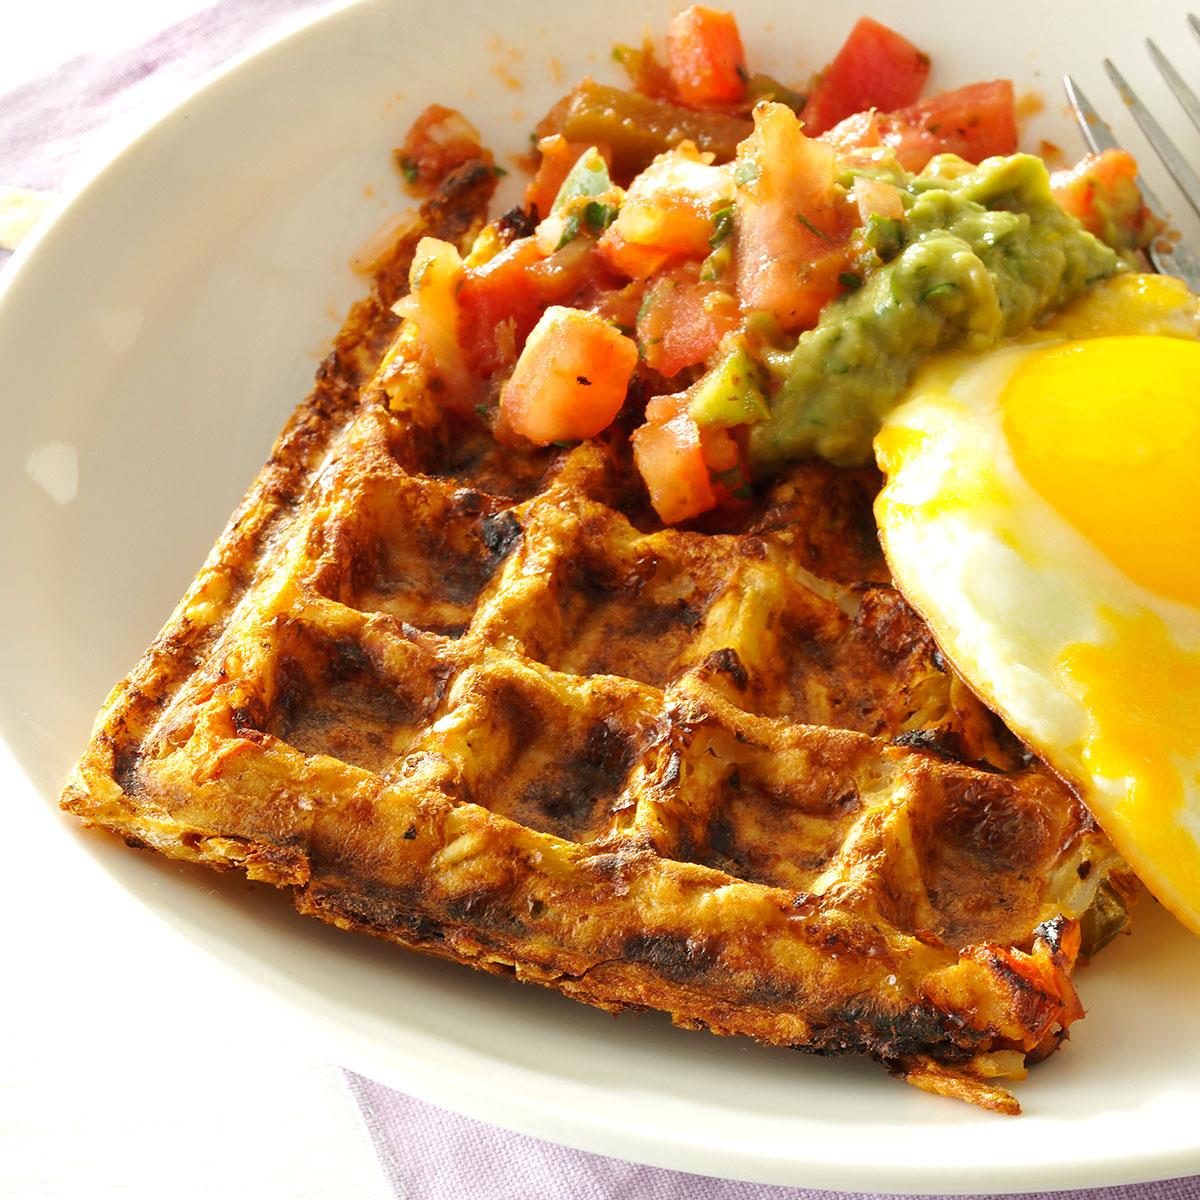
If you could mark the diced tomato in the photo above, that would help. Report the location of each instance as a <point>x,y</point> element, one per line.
<point>571,378</point>
<point>500,300</point>
<point>671,461</point>
<point>668,212</point>
<point>877,198</point>
<point>619,305</point>
<point>688,469</point>
<point>792,222</point>
<point>726,471</point>
<point>682,320</point>
<point>876,68</point>
<point>499,303</point>
<point>661,409</point>
<point>719,449</point>
<point>973,122</point>
<point>558,156</point>
<point>1101,192</point>
<point>439,140</point>
<point>705,57</point>
<point>632,261</point>
<point>857,132</point>
<point>576,275</point>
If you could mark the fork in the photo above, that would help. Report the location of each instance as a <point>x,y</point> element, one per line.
<point>1169,256</point>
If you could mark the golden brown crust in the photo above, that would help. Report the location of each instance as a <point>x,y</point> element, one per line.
<point>454,696</point>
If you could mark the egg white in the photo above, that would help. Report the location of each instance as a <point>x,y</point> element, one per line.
<point>1007,585</point>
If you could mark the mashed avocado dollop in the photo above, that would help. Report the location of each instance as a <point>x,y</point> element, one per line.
<point>983,253</point>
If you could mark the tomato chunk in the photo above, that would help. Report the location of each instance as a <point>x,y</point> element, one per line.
<point>630,259</point>
<point>668,212</point>
<point>499,303</point>
<point>1101,192</point>
<point>439,140</point>
<point>876,68</point>
<point>726,471</point>
<point>571,378</point>
<point>877,198</point>
<point>857,132</point>
<point>705,57</point>
<point>973,122</point>
<point>671,461</point>
<point>792,222</point>
<point>500,300</point>
<point>683,319</point>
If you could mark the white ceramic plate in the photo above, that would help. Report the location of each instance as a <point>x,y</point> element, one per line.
<point>153,341</point>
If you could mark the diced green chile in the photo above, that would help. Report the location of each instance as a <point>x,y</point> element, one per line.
<point>765,87</point>
<point>986,253</point>
<point>1105,917</point>
<point>599,216</point>
<point>635,128</point>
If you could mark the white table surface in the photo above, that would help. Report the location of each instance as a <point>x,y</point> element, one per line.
<point>129,1067</point>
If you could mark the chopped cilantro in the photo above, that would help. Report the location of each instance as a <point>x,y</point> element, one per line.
<point>648,301</point>
<point>722,226</point>
<point>812,228</point>
<point>717,263</point>
<point>409,169</point>
<point>939,289</point>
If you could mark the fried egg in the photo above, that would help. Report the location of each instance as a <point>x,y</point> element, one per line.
<point>1042,512</point>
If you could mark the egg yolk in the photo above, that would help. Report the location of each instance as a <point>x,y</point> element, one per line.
<point>1108,432</point>
<point>1142,693</point>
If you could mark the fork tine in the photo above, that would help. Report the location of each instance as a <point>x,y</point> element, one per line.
<point>1194,22</point>
<point>1168,257</point>
<point>1099,136</point>
<point>1093,127</point>
<point>1156,136</point>
<point>1183,93</point>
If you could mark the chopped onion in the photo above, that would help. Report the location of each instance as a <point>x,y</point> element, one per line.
<point>370,256</point>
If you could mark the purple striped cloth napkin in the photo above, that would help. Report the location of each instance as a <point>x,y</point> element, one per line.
<point>428,1153</point>
<point>50,130</point>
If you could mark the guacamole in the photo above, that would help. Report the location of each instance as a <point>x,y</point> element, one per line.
<point>982,253</point>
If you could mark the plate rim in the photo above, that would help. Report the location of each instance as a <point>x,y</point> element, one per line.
<point>421,1078</point>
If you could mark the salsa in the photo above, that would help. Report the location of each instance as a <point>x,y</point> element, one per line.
<point>732,272</point>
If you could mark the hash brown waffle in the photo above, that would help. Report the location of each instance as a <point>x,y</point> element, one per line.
<point>478,702</point>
